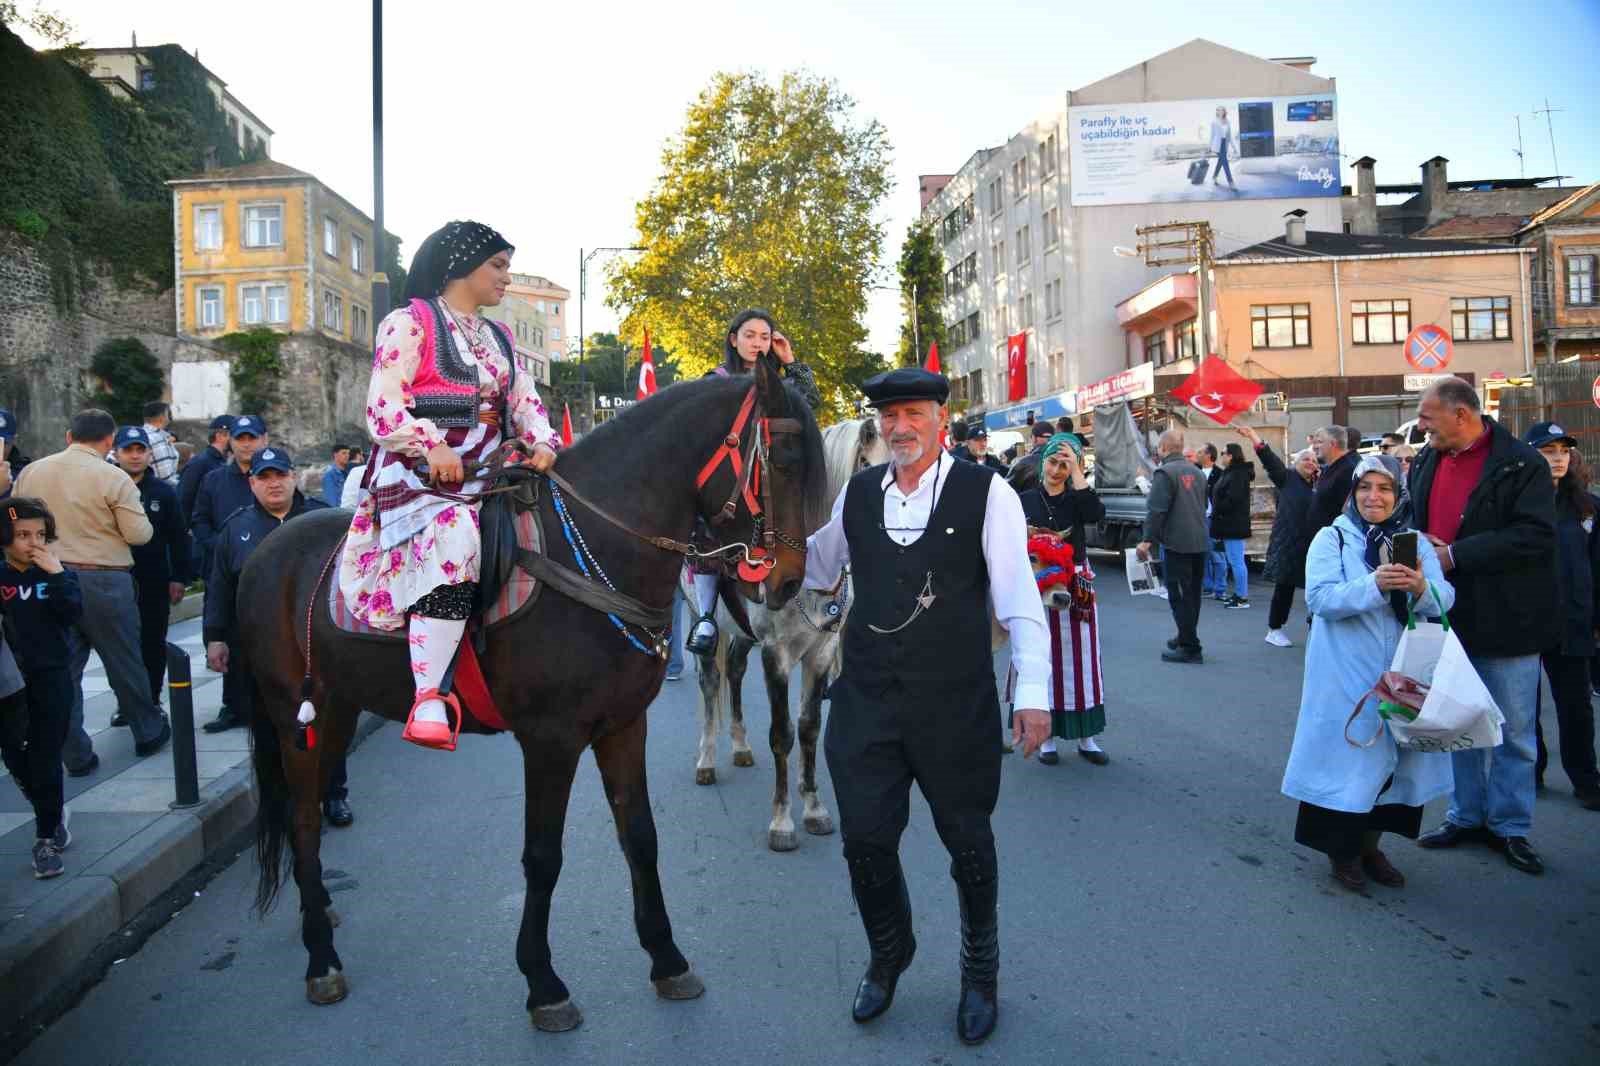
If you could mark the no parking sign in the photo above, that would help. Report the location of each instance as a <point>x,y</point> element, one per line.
<point>1428,348</point>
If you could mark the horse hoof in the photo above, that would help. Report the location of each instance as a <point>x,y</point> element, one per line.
<point>782,840</point>
<point>328,989</point>
<point>556,1017</point>
<point>819,825</point>
<point>706,775</point>
<point>333,916</point>
<point>743,758</point>
<point>684,986</point>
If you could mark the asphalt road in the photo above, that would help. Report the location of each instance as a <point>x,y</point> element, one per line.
<point>1154,910</point>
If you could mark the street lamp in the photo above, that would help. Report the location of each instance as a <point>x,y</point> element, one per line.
<point>583,288</point>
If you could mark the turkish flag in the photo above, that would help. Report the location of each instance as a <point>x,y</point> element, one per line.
<point>1217,391</point>
<point>647,372</point>
<point>932,365</point>
<point>566,426</point>
<point>1017,367</point>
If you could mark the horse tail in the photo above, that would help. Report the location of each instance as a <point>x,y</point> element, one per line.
<point>274,812</point>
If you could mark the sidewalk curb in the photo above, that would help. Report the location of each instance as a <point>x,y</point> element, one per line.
<point>38,955</point>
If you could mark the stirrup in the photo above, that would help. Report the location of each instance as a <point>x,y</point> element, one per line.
<point>437,735</point>
<point>697,645</point>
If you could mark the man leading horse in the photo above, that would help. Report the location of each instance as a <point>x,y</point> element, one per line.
<point>933,543</point>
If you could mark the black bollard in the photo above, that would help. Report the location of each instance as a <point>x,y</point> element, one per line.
<point>180,699</point>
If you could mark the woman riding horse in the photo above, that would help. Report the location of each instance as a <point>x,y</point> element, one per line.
<point>750,336</point>
<point>445,392</point>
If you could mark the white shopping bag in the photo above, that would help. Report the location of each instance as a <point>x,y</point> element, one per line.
<point>1141,575</point>
<point>1458,714</point>
<point>1421,644</point>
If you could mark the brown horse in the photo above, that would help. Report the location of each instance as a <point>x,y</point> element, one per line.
<point>563,675</point>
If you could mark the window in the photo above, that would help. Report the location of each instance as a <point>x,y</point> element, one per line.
<point>969,269</point>
<point>252,305</point>
<point>358,254</point>
<point>1379,321</point>
<point>1580,279</point>
<point>1188,339</point>
<point>1052,299</point>
<point>555,308</point>
<point>1022,246</point>
<point>1052,227</point>
<point>1025,311</point>
<point>1155,347</point>
<point>957,334</point>
<point>330,237</point>
<point>147,79</point>
<point>1047,157</point>
<point>207,229</point>
<point>277,304</point>
<point>539,306</point>
<point>1002,319</point>
<point>332,311</point>
<point>1280,326</point>
<point>997,195</point>
<point>359,328</point>
<point>209,300</point>
<point>1480,318</point>
<point>263,225</point>
<point>997,252</point>
<point>555,333</point>
<point>957,220</point>
<point>1019,177</point>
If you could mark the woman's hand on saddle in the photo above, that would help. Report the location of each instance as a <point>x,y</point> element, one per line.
<point>444,465</point>
<point>543,458</point>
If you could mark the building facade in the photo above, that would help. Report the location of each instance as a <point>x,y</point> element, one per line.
<point>1565,242</point>
<point>128,72</point>
<point>1021,259</point>
<point>1490,209</point>
<point>533,309</point>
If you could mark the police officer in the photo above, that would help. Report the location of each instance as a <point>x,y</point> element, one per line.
<point>222,492</point>
<point>274,500</point>
<point>214,454</point>
<point>932,543</point>
<point>162,566</point>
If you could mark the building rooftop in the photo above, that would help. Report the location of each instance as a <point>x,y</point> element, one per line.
<point>1474,227</point>
<point>1562,204</point>
<point>1321,244</point>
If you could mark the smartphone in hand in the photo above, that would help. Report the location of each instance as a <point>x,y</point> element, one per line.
<point>1403,549</point>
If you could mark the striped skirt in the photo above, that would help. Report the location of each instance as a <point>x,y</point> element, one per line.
<point>1077,700</point>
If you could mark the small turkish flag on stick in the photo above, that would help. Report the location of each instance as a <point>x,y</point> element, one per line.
<point>1217,391</point>
<point>647,372</point>
<point>566,426</point>
<point>932,365</point>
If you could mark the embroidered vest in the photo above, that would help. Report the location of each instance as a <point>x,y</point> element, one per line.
<point>445,388</point>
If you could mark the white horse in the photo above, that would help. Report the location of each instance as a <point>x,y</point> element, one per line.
<point>804,632</point>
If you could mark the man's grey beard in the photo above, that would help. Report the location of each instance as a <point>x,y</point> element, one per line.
<point>904,460</point>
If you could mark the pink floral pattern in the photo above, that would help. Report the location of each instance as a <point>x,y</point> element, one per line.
<point>381,585</point>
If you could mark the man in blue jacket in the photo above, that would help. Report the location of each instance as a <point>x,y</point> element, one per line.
<point>213,455</point>
<point>274,500</point>
<point>161,566</point>
<point>224,491</point>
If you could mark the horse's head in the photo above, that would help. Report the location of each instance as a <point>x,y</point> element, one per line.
<point>778,497</point>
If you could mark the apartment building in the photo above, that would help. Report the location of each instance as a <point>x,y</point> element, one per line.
<point>129,72</point>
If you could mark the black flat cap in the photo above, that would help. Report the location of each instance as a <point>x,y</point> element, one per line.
<point>906,383</point>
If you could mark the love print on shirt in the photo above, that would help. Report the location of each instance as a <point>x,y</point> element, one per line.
<point>27,592</point>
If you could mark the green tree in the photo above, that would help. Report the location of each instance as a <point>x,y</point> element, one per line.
<point>130,377</point>
<point>257,370</point>
<point>603,366</point>
<point>769,197</point>
<point>921,292</point>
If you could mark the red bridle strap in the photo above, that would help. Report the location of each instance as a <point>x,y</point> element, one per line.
<point>731,450</point>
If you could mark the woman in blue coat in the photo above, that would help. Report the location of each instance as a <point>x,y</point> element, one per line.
<point>1351,796</point>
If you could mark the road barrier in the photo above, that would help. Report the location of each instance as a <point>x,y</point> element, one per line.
<point>180,702</point>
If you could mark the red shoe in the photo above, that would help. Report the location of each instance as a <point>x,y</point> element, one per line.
<point>433,734</point>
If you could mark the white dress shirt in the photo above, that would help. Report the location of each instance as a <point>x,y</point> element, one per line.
<point>1012,591</point>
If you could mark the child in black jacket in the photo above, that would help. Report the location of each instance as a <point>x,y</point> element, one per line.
<point>40,600</point>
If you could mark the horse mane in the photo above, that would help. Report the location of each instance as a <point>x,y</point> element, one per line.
<point>677,400</point>
<point>842,444</point>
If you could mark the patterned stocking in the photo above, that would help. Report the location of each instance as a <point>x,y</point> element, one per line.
<point>433,644</point>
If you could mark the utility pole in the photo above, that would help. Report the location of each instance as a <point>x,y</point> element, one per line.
<point>1193,247</point>
<point>380,280</point>
<point>1522,167</point>
<point>1550,127</point>
<point>583,290</point>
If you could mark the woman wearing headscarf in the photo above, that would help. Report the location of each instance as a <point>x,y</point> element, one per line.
<point>750,335</point>
<point>1350,796</point>
<point>446,393</point>
<point>1063,506</point>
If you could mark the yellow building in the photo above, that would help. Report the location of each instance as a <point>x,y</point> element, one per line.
<point>266,245</point>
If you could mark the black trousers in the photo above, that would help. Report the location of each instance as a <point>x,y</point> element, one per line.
<point>1282,604</point>
<point>943,738</point>
<point>155,615</point>
<point>33,728</point>
<point>1185,572</point>
<point>1569,686</point>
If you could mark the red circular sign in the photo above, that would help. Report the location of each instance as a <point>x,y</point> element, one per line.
<point>1594,392</point>
<point>1428,348</point>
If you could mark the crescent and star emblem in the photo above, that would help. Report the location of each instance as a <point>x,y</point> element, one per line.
<point>1209,404</point>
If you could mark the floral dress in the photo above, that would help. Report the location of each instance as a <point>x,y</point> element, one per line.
<point>397,553</point>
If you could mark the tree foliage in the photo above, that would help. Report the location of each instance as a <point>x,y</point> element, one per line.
<point>603,366</point>
<point>768,197</point>
<point>130,376</point>
<point>921,291</point>
<point>256,372</point>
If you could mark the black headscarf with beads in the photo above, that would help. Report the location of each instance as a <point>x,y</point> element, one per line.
<point>452,251</point>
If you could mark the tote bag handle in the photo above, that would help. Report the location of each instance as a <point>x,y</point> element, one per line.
<point>1444,616</point>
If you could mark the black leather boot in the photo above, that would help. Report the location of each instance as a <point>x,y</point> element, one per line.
<point>879,887</point>
<point>978,888</point>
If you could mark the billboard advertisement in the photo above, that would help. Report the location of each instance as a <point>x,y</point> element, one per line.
<point>1186,151</point>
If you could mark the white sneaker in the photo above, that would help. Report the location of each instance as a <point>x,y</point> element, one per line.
<point>1276,638</point>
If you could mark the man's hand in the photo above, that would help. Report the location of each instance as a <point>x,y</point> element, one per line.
<point>1143,549</point>
<point>1248,433</point>
<point>174,592</point>
<point>217,657</point>
<point>1441,551</point>
<point>1030,728</point>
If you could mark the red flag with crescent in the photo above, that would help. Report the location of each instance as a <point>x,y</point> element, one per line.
<point>932,365</point>
<point>647,372</point>
<point>566,426</point>
<point>1217,391</point>
<point>1017,367</point>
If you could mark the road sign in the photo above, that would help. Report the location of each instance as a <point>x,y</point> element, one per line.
<point>1594,392</point>
<point>1415,382</point>
<point>1428,348</point>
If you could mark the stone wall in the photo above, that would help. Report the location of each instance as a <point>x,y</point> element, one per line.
<point>45,357</point>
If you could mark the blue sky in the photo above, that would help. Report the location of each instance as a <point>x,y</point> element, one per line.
<point>558,113</point>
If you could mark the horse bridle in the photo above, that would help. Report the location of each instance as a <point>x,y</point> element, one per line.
<point>752,481</point>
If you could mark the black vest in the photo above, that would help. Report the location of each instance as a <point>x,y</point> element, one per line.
<point>948,642</point>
